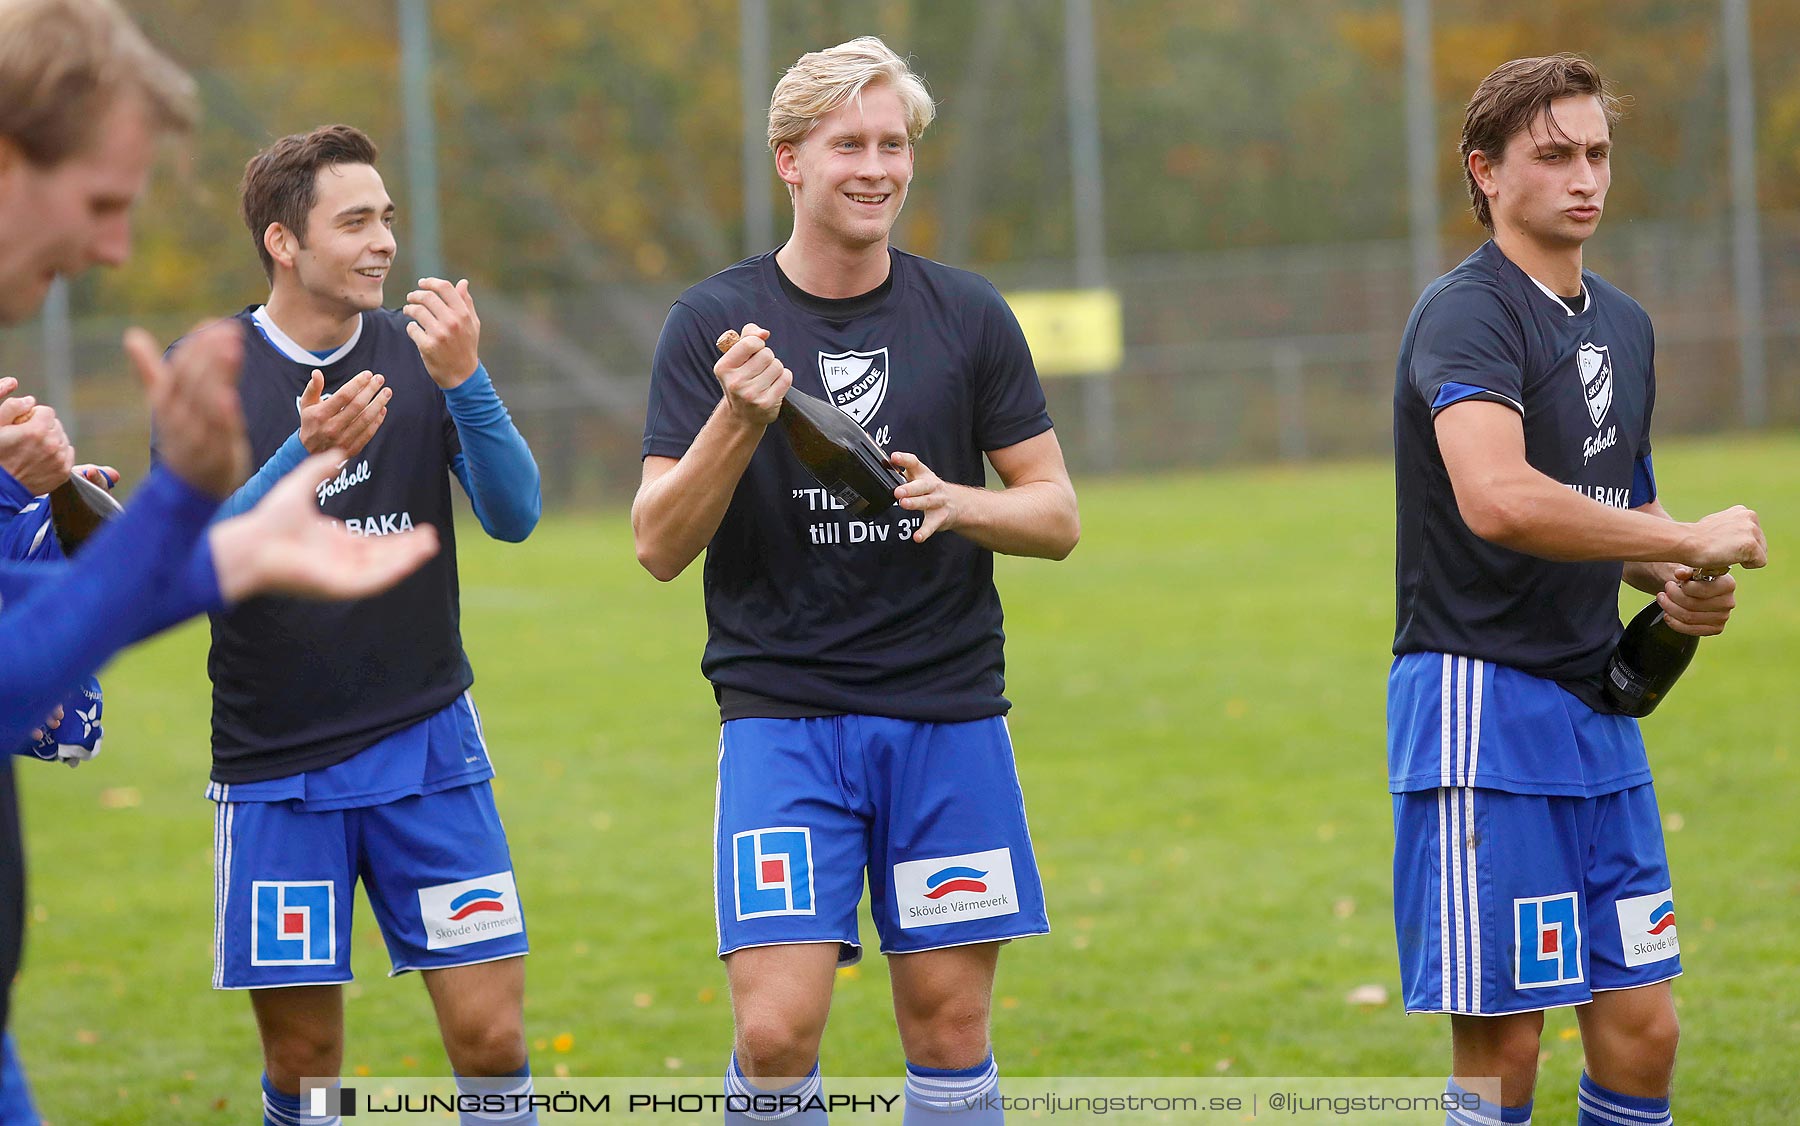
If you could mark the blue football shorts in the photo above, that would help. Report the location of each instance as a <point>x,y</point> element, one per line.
<point>436,869</point>
<point>1507,903</point>
<point>930,813</point>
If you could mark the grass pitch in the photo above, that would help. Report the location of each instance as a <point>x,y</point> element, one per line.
<point>1199,724</point>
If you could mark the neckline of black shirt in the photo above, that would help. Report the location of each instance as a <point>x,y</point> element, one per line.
<point>835,308</point>
<point>1578,303</point>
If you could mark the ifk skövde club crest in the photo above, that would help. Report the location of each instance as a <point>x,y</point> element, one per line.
<point>1595,366</point>
<point>856,382</point>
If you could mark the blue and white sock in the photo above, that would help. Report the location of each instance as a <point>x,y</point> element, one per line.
<point>1482,1113</point>
<point>282,1109</point>
<point>512,1110</point>
<point>1601,1107</point>
<point>961,1095</point>
<point>778,1104</point>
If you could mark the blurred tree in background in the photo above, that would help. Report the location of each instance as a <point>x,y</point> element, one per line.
<point>590,142</point>
<point>1253,159</point>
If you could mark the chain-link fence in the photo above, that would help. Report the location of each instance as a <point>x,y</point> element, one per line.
<point>1255,217</point>
<point>1240,356</point>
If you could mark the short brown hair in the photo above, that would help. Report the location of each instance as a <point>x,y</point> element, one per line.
<point>281,183</point>
<point>63,63</point>
<point>1512,97</point>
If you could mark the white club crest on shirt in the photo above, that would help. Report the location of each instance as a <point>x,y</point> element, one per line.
<point>856,382</point>
<point>1595,366</point>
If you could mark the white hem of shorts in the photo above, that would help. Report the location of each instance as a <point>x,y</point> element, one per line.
<point>1639,985</point>
<point>887,952</point>
<point>855,946</point>
<point>282,985</point>
<point>1544,1008</point>
<point>396,971</point>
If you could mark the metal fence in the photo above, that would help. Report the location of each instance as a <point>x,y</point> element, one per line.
<point>1233,357</point>
<point>1317,124</point>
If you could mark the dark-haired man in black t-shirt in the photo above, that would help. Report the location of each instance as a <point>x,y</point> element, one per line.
<point>1529,870</point>
<point>346,747</point>
<point>857,663</point>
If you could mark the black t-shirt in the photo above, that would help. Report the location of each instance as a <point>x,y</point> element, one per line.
<point>302,685</point>
<point>804,604</point>
<point>1584,384</point>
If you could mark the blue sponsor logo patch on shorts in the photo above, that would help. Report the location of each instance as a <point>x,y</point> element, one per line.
<point>1547,937</point>
<point>774,872</point>
<point>295,923</point>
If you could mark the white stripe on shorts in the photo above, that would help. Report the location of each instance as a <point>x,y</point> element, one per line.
<point>1456,898</point>
<point>1468,843</point>
<point>1444,956</point>
<point>1474,726</point>
<point>718,799</point>
<point>1459,900</point>
<point>1459,889</point>
<point>223,815</point>
<point>480,735</point>
<point>1444,721</point>
<point>1462,720</point>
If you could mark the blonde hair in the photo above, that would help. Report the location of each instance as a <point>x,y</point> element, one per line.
<point>63,63</point>
<point>824,80</point>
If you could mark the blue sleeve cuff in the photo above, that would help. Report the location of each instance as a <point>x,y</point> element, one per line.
<point>1643,483</point>
<point>470,392</point>
<point>1452,393</point>
<point>13,496</point>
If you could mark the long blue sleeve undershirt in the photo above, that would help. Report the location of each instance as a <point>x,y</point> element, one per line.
<point>282,462</point>
<point>495,467</point>
<point>59,622</point>
<point>26,535</point>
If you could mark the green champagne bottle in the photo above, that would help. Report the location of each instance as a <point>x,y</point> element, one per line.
<point>835,450</point>
<point>1649,659</point>
<point>78,509</point>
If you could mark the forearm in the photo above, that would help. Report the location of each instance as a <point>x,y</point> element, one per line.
<point>675,515</point>
<point>1534,514</point>
<point>1033,518</point>
<point>502,477</point>
<point>289,454</point>
<point>61,622</point>
<point>1651,577</point>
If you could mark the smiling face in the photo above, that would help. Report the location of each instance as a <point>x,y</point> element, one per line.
<point>348,247</point>
<point>72,215</point>
<point>1550,184</point>
<point>850,173</point>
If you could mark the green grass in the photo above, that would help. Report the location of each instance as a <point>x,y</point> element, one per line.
<point>1198,717</point>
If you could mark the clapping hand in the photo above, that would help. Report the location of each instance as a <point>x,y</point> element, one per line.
<point>283,546</point>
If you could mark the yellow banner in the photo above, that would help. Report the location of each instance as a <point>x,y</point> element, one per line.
<point>1073,331</point>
